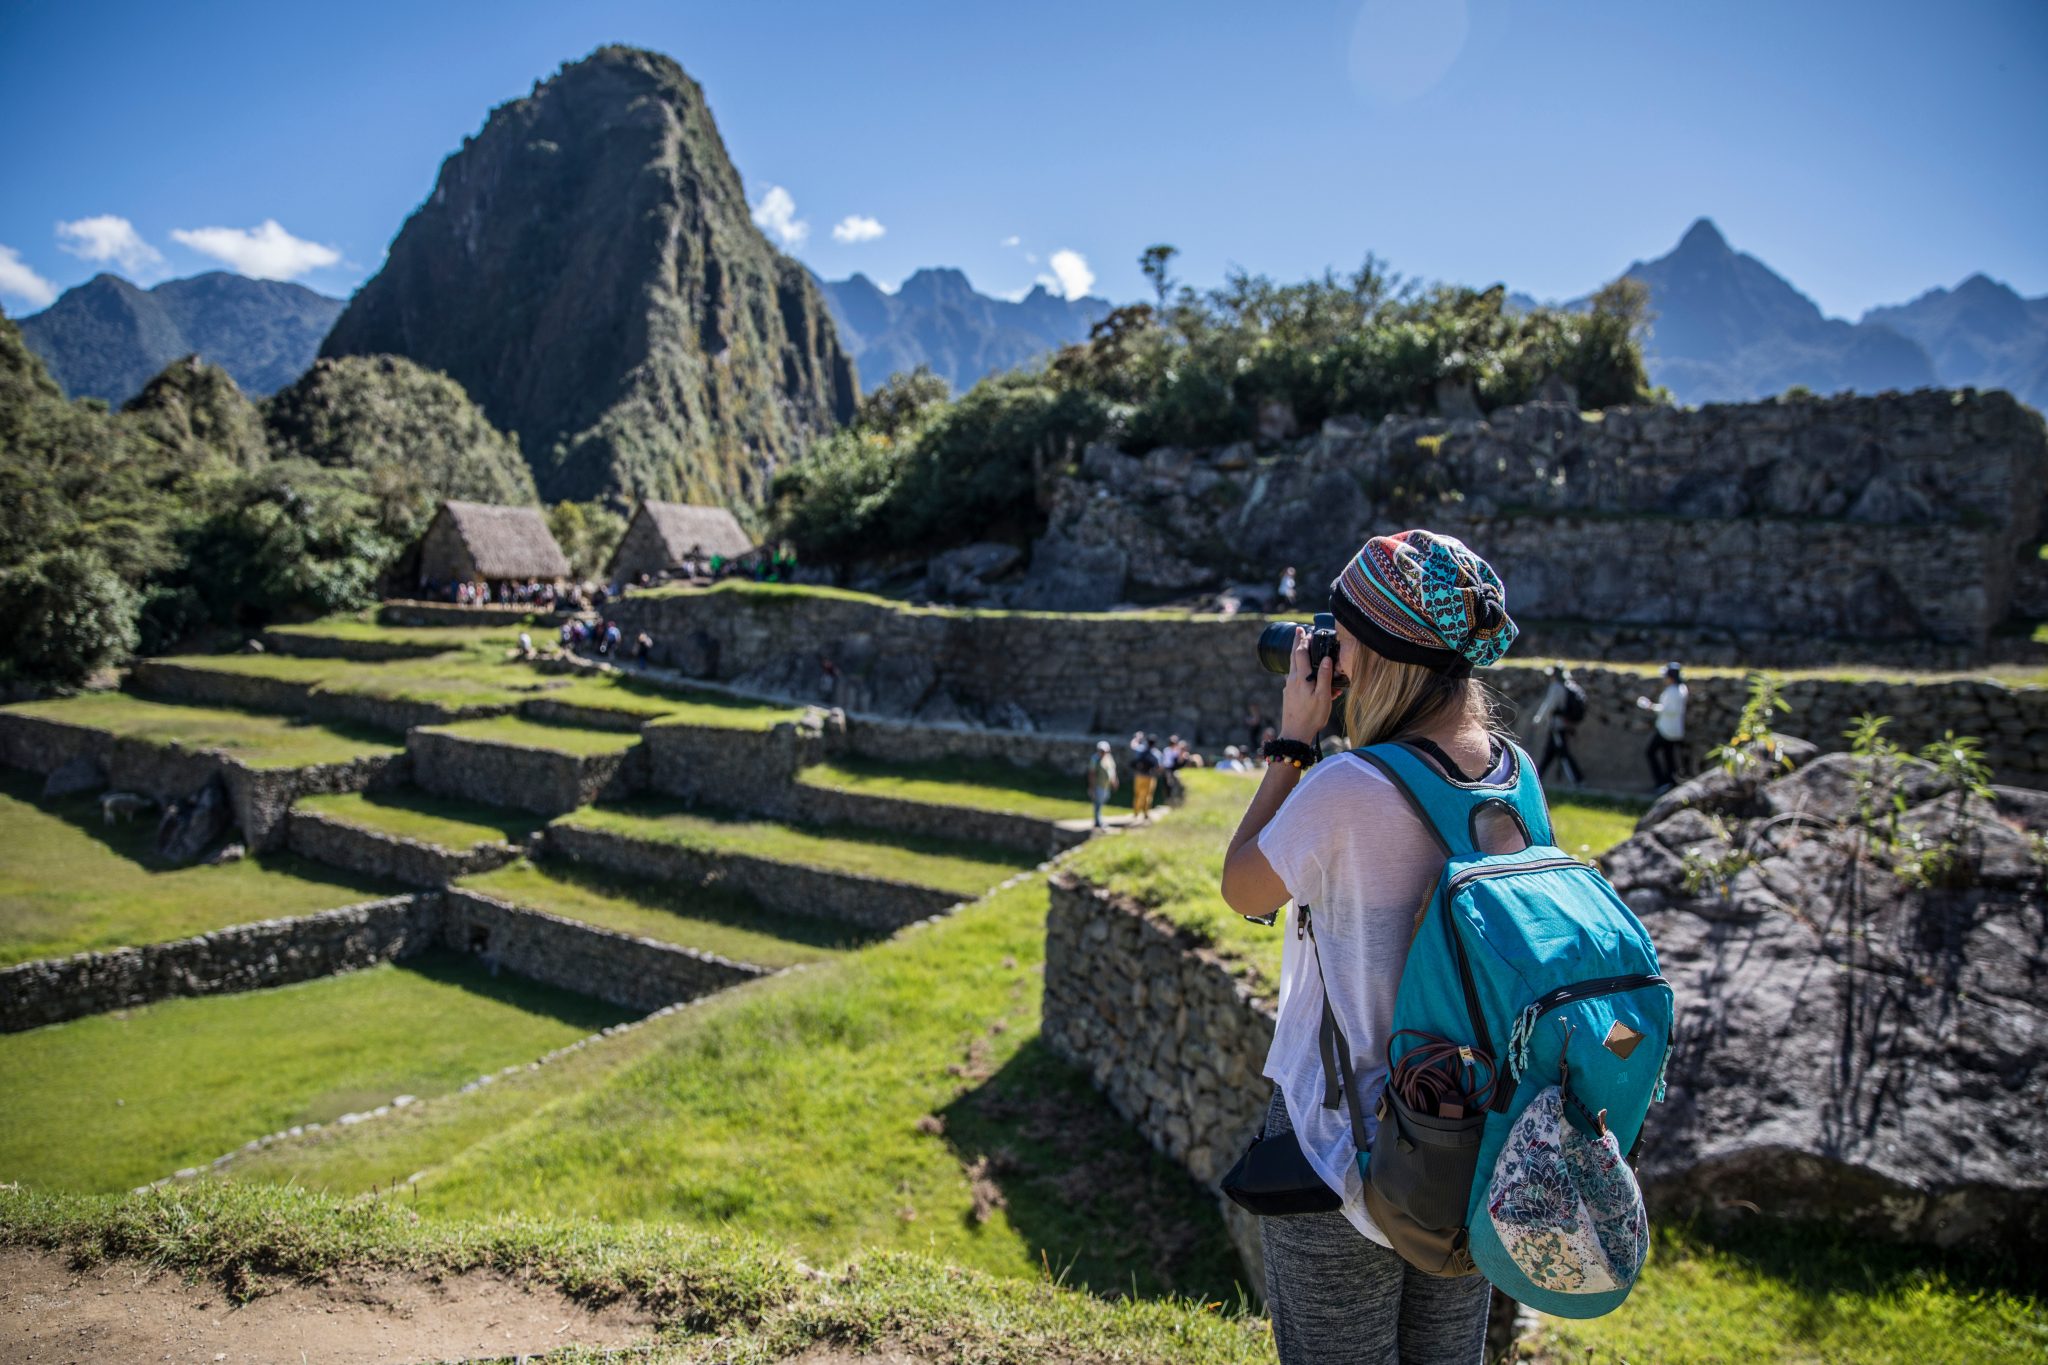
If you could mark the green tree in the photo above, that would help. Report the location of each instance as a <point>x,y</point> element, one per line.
<point>1154,261</point>
<point>68,615</point>
<point>588,532</point>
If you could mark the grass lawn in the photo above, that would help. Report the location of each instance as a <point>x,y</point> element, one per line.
<point>966,869</point>
<point>442,821</point>
<point>180,1082</point>
<point>261,741</point>
<point>535,734</point>
<point>362,626</point>
<point>1802,1295</point>
<point>711,919</point>
<point>895,1099</point>
<point>1176,866</point>
<point>975,784</point>
<point>70,883</point>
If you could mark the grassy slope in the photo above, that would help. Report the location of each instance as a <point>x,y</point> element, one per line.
<point>70,883</point>
<point>533,734</point>
<point>711,919</point>
<point>977,785</point>
<point>720,1296</point>
<point>1176,866</point>
<point>949,865</point>
<point>169,1085</point>
<point>791,1108</point>
<point>261,741</point>
<point>442,821</point>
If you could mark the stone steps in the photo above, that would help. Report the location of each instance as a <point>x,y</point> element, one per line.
<point>822,803</point>
<point>527,765</point>
<point>407,837</point>
<point>792,870</point>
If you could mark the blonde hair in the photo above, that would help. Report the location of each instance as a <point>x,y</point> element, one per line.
<point>1396,700</point>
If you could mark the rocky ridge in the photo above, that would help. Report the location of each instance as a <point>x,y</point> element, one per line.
<point>587,268</point>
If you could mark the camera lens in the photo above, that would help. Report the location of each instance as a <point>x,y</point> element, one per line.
<point>1276,646</point>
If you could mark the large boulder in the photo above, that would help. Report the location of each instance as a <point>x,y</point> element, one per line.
<point>195,824</point>
<point>1862,1006</point>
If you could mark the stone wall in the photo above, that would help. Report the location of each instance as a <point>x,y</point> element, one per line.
<point>829,806</point>
<point>871,902</point>
<point>543,781</point>
<point>305,645</point>
<point>221,687</point>
<point>1041,685</point>
<point>1169,1031</point>
<point>621,969</point>
<point>403,612</point>
<point>375,853</point>
<point>261,797</point>
<point>246,957</point>
<point>745,770</point>
<point>1797,523</point>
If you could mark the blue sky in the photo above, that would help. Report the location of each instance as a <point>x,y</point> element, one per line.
<point>1867,150</point>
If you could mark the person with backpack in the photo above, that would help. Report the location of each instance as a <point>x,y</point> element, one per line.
<point>1557,720</point>
<point>1667,736</point>
<point>1145,770</point>
<point>1386,1074</point>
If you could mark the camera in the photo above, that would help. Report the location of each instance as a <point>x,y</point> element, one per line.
<point>1276,646</point>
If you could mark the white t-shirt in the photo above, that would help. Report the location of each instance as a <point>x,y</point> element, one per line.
<point>1671,712</point>
<point>1346,844</point>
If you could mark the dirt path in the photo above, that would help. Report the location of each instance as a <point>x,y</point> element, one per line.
<point>53,1315</point>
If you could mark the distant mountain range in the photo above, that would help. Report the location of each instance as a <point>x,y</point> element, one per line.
<point>1730,329</point>
<point>937,319</point>
<point>107,338</point>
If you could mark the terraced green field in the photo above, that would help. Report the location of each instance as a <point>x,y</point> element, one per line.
<point>534,734</point>
<point>896,1098</point>
<point>361,627</point>
<point>976,785</point>
<point>71,883</point>
<point>438,820</point>
<point>944,864</point>
<point>180,1082</point>
<point>710,919</point>
<point>259,740</point>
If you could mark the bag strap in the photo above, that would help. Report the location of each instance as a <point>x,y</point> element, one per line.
<point>1338,1076</point>
<point>1446,805</point>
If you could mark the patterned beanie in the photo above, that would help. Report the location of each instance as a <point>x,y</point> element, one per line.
<point>1424,598</point>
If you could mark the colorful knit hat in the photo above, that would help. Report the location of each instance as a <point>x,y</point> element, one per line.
<point>1424,598</point>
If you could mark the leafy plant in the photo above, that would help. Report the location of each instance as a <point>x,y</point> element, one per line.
<point>1755,746</point>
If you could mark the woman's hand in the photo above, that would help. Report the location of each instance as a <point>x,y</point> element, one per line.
<point>1305,703</point>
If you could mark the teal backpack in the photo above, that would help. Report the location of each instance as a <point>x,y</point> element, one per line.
<point>1529,1036</point>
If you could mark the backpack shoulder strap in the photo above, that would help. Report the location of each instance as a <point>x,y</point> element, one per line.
<point>1447,806</point>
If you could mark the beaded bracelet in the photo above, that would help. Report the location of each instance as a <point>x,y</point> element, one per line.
<point>1291,751</point>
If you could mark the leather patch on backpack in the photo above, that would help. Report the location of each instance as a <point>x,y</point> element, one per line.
<point>1621,1040</point>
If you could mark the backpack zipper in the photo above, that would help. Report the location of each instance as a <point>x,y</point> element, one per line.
<point>1473,874</point>
<point>1525,1023</point>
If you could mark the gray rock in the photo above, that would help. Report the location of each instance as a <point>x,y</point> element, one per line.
<point>75,778</point>
<point>193,825</point>
<point>1853,1046</point>
<point>966,572</point>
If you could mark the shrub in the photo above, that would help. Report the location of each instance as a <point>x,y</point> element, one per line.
<point>68,614</point>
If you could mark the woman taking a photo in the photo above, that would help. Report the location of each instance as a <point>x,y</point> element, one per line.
<point>1416,612</point>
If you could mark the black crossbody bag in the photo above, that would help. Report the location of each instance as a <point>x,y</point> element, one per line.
<point>1273,1178</point>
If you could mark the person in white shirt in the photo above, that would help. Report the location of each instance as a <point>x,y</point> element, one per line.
<point>1343,839</point>
<point>1667,736</point>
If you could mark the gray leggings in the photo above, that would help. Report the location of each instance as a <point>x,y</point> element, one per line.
<point>1335,1296</point>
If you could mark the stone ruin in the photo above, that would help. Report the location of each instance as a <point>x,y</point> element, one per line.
<point>1862,994</point>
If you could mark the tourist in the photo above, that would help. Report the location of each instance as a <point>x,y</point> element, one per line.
<point>1266,736</point>
<point>1557,719</point>
<point>643,647</point>
<point>525,645</point>
<point>1337,835</point>
<point>1233,760</point>
<point>1102,780</point>
<point>1286,593</point>
<point>1667,736</point>
<point>1144,776</point>
<point>1169,753</point>
<point>1254,725</point>
<point>609,645</point>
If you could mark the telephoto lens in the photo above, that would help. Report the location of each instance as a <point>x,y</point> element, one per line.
<point>1276,646</point>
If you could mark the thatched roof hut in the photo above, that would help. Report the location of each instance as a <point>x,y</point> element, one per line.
<point>467,541</point>
<point>662,533</point>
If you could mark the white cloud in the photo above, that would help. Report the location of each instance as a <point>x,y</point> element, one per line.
<point>1073,278</point>
<point>19,280</point>
<point>1031,258</point>
<point>109,237</point>
<point>776,213</point>
<point>1013,240</point>
<point>266,252</point>
<point>856,227</point>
